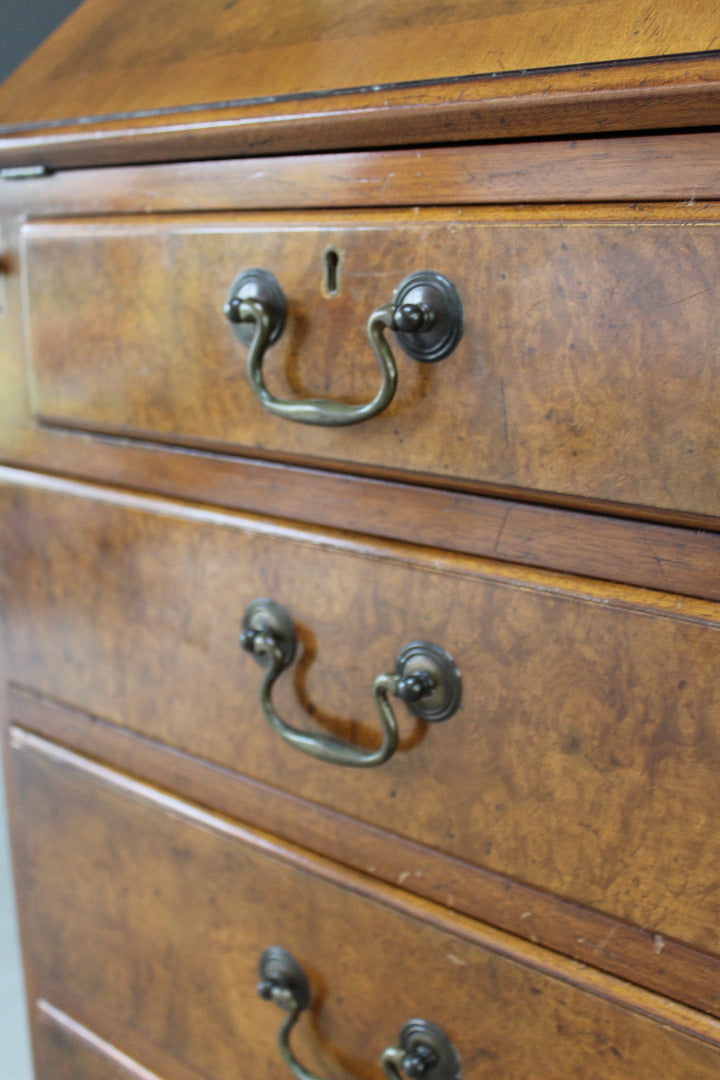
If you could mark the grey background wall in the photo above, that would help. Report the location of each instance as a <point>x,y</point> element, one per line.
<point>14,1038</point>
<point>24,24</point>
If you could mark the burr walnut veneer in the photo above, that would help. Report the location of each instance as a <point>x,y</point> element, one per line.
<point>528,885</point>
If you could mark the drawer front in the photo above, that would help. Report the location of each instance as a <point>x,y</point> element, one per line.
<point>583,758</point>
<point>150,915</point>
<point>66,1050</point>
<point>587,367</point>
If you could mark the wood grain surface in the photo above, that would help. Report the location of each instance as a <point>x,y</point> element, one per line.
<point>192,912</point>
<point>680,560</point>
<point>107,60</point>
<point>646,167</point>
<point>644,96</point>
<point>583,759</point>
<point>571,804</point>
<point>632,953</point>
<point>66,1050</point>
<point>586,366</point>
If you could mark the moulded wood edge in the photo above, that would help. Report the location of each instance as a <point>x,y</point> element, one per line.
<point>674,92</point>
<point>591,950</point>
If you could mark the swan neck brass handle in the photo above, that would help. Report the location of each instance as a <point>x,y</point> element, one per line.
<point>423,1052</point>
<point>425,678</point>
<point>426,315</point>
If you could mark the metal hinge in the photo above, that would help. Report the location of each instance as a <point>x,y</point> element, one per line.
<point>24,172</point>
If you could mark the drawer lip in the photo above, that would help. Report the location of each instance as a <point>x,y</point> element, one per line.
<point>505,571</point>
<point>47,1013</point>
<point>660,93</point>
<point>160,624</point>
<point>612,170</point>
<point>529,955</point>
<point>546,404</point>
<point>599,942</point>
<point>682,559</point>
<point>616,708</point>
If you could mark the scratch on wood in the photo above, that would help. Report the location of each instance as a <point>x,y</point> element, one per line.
<point>504,409</point>
<point>456,960</point>
<point>501,530</point>
<point>601,945</point>
<point>405,874</point>
<point>537,304</point>
<point>700,292</point>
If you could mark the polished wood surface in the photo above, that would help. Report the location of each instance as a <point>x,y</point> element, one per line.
<point>66,1050</point>
<point>200,884</point>
<point>650,95</point>
<point>109,60</point>
<point>633,953</point>
<point>646,167</point>
<point>583,760</point>
<point>680,560</point>
<point>586,367</point>
<point>539,873</point>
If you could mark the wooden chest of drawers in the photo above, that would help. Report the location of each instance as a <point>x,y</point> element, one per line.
<point>359,542</point>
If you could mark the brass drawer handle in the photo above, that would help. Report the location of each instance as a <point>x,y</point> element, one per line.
<point>424,677</point>
<point>424,1052</point>
<point>426,315</point>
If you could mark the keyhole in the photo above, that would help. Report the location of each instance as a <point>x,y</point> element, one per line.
<point>331,271</point>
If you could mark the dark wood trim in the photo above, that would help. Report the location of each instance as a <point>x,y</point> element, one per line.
<point>634,954</point>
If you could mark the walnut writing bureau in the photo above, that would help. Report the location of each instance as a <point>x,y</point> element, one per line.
<point>360,539</point>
